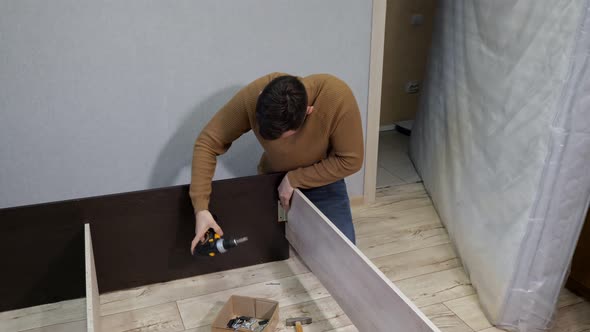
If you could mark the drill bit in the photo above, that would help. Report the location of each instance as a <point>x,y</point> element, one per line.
<point>242,240</point>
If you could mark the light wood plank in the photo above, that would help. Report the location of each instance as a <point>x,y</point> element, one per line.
<point>399,192</point>
<point>399,266</point>
<point>371,301</point>
<point>92,297</point>
<point>349,328</point>
<point>404,223</point>
<point>205,328</point>
<point>470,311</point>
<point>371,225</point>
<point>383,207</point>
<point>325,312</point>
<point>566,297</point>
<point>200,310</point>
<point>402,197</point>
<point>418,262</point>
<point>445,319</point>
<point>163,317</point>
<point>440,315</point>
<point>43,315</point>
<point>420,235</point>
<point>437,287</point>
<point>397,203</point>
<point>177,290</point>
<point>64,327</point>
<point>573,318</point>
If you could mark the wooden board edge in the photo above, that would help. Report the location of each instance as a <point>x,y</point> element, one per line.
<point>92,294</point>
<point>424,321</point>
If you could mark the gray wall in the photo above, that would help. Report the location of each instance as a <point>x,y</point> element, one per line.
<point>100,97</point>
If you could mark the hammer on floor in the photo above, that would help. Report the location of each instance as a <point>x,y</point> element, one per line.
<point>297,322</point>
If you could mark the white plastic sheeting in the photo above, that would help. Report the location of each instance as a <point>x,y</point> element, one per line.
<point>502,142</point>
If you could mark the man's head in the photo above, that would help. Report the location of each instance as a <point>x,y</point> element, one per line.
<point>281,107</point>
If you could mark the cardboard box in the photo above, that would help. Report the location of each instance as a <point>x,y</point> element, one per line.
<point>247,306</point>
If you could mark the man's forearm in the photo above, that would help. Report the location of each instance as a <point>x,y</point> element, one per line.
<point>327,171</point>
<point>202,171</point>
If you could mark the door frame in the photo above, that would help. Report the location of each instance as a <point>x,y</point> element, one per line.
<point>374,99</point>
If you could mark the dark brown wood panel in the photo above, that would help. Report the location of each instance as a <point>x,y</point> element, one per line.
<point>139,238</point>
<point>579,280</point>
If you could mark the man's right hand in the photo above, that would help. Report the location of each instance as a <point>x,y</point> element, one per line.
<point>204,221</point>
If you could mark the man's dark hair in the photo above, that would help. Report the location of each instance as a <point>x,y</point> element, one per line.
<point>281,107</point>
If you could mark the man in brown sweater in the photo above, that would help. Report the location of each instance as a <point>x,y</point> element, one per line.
<point>308,127</point>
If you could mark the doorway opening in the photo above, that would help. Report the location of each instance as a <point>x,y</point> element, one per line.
<point>407,23</point>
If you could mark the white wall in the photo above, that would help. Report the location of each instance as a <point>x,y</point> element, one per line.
<point>100,97</point>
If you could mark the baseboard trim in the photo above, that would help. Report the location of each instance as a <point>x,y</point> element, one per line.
<point>387,127</point>
<point>578,288</point>
<point>357,201</point>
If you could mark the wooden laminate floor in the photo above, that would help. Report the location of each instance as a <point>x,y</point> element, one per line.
<point>400,233</point>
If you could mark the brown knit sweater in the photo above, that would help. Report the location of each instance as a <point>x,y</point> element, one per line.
<point>327,148</point>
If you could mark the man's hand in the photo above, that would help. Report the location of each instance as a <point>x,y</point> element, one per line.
<point>285,193</point>
<point>204,221</point>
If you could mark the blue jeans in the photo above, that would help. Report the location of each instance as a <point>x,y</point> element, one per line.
<point>332,200</point>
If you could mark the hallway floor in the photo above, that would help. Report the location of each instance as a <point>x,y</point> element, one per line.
<point>395,166</point>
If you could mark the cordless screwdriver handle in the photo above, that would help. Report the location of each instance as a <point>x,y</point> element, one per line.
<point>214,244</point>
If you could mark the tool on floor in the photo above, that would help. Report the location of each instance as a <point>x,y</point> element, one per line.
<point>248,323</point>
<point>298,322</point>
<point>214,244</point>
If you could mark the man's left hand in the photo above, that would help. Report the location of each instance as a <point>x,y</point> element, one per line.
<point>285,193</point>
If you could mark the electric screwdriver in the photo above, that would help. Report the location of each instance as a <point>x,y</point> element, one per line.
<point>215,244</point>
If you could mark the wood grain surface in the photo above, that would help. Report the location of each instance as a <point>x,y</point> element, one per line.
<point>139,238</point>
<point>367,296</point>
